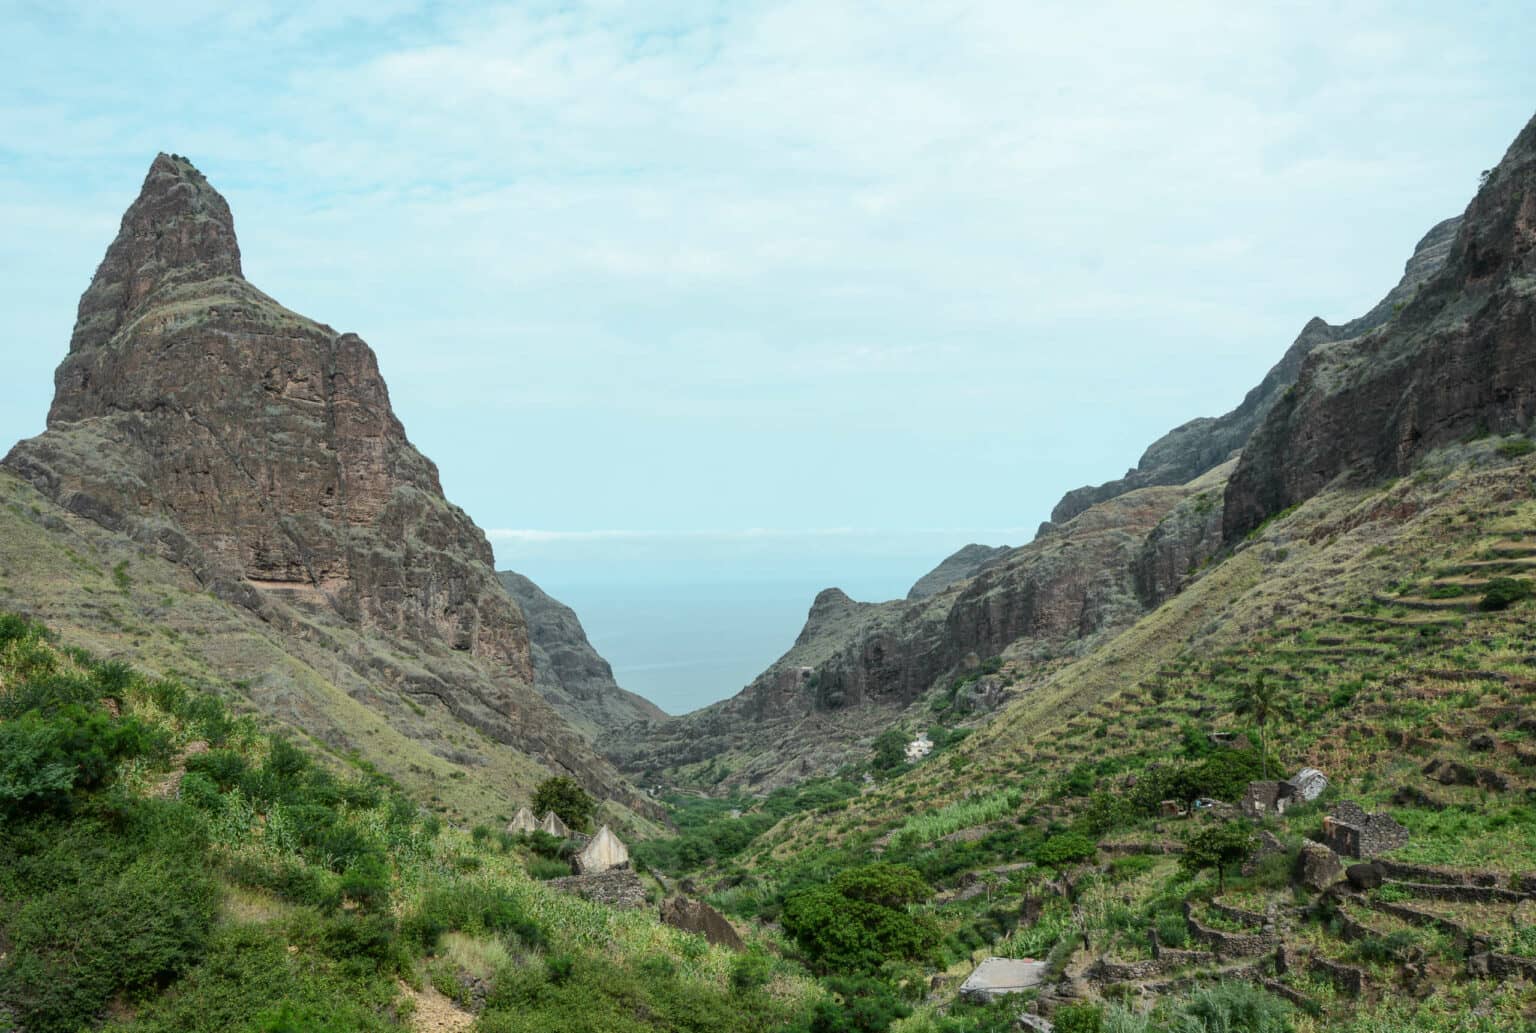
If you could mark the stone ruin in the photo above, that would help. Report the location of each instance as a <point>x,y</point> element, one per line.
<point>523,821</point>
<point>554,826</point>
<point>1350,832</point>
<point>1262,799</point>
<point>605,851</point>
<point>1267,797</point>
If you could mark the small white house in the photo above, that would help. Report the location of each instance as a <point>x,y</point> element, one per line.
<point>604,852</point>
<point>920,747</point>
<point>554,826</point>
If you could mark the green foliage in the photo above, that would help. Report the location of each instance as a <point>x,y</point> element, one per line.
<point>1503,592</point>
<point>548,868</point>
<point>114,901</point>
<point>568,799</point>
<point>1232,1007</point>
<point>1217,845</point>
<point>1065,850</point>
<point>1514,448</point>
<point>889,750</point>
<point>862,919</point>
<point>858,1006</point>
<point>473,908</point>
<point>750,972</point>
<point>1079,1018</point>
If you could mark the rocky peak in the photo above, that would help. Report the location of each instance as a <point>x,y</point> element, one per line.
<point>1457,360</point>
<point>258,449</point>
<point>178,230</point>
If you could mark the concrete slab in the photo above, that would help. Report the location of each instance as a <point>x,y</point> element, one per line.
<point>997,976</point>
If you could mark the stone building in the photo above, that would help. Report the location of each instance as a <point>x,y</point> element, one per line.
<point>1350,832</point>
<point>554,826</point>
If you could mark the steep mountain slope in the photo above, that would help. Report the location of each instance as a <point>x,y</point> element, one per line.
<point>964,563</point>
<point>1110,553</point>
<point>1194,447</point>
<point>567,670</point>
<point>1457,362</point>
<point>256,450</point>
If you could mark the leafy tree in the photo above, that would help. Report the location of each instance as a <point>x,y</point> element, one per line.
<point>1217,846</point>
<point>567,798</point>
<point>889,751</point>
<point>1262,701</point>
<point>862,918</point>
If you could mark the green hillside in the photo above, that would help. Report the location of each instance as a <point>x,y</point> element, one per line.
<point>166,866</point>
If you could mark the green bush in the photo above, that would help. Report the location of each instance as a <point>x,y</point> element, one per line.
<point>543,868</point>
<point>1232,1007</point>
<point>1064,850</point>
<point>1514,448</point>
<point>1503,592</point>
<point>106,904</point>
<point>470,908</point>
<point>861,919</point>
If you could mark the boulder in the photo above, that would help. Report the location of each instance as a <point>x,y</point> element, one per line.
<point>1317,867</point>
<point>695,916</point>
<point>1365,876</point>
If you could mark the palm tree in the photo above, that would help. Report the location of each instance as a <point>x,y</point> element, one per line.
<point>1262,701</point>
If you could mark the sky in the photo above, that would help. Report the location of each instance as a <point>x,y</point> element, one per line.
<point>789,293</point>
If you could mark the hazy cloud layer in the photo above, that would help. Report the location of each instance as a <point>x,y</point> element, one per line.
<point>794,265</point>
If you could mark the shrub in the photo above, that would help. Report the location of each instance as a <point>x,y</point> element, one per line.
<point>860,920</point>
<point>1514,448</point>
<point>470,908</point>
<point>1079,1018</point>
<point>1065,849</point>
<point>1504,592</point>
<point>750,972</point>
<point>543,868</point>
<point>1233,1006</point>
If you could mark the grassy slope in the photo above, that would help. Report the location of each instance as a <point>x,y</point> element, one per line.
<point>293,899</point>
<point>1363,604</point>
<point>117,600</point>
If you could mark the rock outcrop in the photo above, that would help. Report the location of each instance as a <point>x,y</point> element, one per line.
<point>569,673</point>
<point>961,565</point>
<point>257,449</point>
<point>695,916</point>
<point>1193,448</point>
<point>1456,362</point>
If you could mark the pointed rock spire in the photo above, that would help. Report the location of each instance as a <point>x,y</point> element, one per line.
<point>179,230</point>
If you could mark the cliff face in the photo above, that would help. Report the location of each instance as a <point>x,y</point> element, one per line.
<point>1191,449</point>
<point>567,670</point>
<point>964,563</point>
<point>1457,361</point>
<point>258,449</point>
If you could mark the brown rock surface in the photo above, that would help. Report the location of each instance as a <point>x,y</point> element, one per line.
<point>257,449</point>
<point>695,916</point>
<point>1458,361</point>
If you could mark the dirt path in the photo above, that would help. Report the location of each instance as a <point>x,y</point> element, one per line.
<point>434,1012</point>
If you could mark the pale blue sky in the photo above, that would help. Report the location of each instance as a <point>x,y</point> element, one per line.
<point>766,289</point>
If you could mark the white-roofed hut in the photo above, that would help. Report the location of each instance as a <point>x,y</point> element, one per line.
<point>523,821</point>
<point>554,826</point>
<point>605,852</point>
